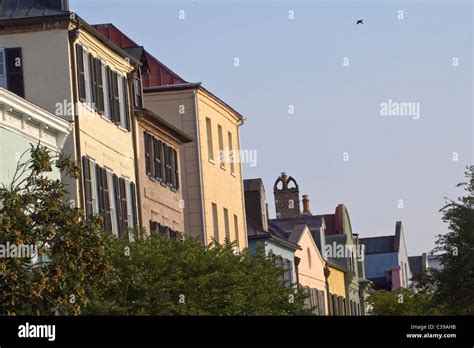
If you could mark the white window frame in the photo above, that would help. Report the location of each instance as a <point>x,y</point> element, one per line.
<point>87,76</point>
<point>105,87</point>
<point>123,124</point>
<point>93,174</point>
<point>113,203</point>
<point>130,217</point>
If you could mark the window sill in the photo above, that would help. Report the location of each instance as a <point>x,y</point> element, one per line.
<point>223,168</point>
<point>123,129</point>
<point>106,119</point>
<point>211,161</point>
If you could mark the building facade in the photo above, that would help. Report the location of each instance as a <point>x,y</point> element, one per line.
<point>23,124</point>
<point>260,234</point>
<point>387,264</point>
<point>74,72</point>
<point>212,185</point>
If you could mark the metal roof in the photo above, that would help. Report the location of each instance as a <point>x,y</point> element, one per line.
<point>31,8</point>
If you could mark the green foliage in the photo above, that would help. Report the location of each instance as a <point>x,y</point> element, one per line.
<point>157,276</point>
<point>35,212</point>
<point>401,302</point>
<point>453,287</point>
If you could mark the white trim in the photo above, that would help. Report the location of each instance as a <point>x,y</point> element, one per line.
<point>24,110</point>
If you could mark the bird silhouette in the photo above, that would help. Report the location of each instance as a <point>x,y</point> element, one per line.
<point>360,21</point>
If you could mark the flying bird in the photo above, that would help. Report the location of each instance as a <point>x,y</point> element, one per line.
<point>360,21</point>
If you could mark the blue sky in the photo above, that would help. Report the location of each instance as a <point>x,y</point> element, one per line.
<point>299,62</point>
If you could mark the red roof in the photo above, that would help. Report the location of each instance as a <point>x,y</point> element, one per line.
<point>158,74</point>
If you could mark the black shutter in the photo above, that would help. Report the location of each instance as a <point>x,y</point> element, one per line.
<point>93,82</point>
<point>117,203</point>
<point>86,173</point>
<point>106,202</point>
<point>123,205</point>
<point>14,64</point>
<point>100,87</point>
<point>156,158</point>
<point>137,83</point>
<point>100,190</point>
<point>166,152</point>
<point>133,197</point>
<point>81,75</point>
<point>126,102</point>
<point>148,140</point>
<point>116,98</point>
<point>110,95</point>
<point>159,159</point>
<point>176,170</point>
<point>153,227</point>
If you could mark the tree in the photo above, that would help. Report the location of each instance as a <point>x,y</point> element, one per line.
<point>453,286</point>
<point>401,302</point>
<point>34,211</point>
<point>158,276</point>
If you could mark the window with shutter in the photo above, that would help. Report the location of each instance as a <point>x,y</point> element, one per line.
<point>148,153</point>
<point>86,173</point>
<point>93,82</point>
<point>157,144</point>
<point>168,170</point>
<point>115,98</point>
<point>126,112</point>
<point>106,201</point>
<point>138,91</point>
<point>118,204</point>
<point>14,65</point>
<point>100,86</point>
<point>100,190</point>
<point>124,206</point>
<point>112,204</point>
<point>81,74</point>
<point>133,199</point>
<point>176,170</point>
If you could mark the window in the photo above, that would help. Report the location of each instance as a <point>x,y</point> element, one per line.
<point>222,157</point>
<point>231,153</point>
<point>148,153</point>
<point>309,257</point>
<point>210,147</point>
<point>89,186</point>
<point>158,158</point>
<point>164,230</point>
<point>215,221</point>
<point>236,231</point>
<point>226,224</point>
<point>3,76</point>
<point>11,70</point>
<point>138,92</point>
<point>112,206</point>
<point>131,204</point>
<point>167,151</point>
<point>105,90</point>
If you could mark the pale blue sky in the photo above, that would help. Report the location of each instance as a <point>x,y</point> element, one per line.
<point>337,109</point>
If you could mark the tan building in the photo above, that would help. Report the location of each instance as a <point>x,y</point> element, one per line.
<point>69,69</point>
<point>212,184</point>
<point>159,175</point>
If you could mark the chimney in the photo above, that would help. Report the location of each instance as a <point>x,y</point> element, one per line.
<point>306,210</point>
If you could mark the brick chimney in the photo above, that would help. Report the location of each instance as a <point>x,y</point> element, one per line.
<point>306,210</point>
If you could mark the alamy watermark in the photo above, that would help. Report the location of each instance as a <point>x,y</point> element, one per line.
<point>21,251</point>
<point>405,109</point>
<point>339,251</point>
<point>238,156</point>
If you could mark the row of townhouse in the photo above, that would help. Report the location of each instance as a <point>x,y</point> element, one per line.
<point>151,144</point>
<point>163,153</point>
<point>318,252</point>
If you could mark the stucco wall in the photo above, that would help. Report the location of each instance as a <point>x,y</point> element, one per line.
<point>158,203</point>
<point>336,282</point>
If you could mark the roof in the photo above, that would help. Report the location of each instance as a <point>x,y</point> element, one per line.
<point>384,244</point>
<point>31,8</point>
<point>286,226</point>
<point>254,232</point>
<point>177,133</point>
<point>66,16</point>
<point>159,78</point>
<point>379,245</point>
